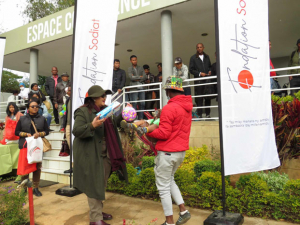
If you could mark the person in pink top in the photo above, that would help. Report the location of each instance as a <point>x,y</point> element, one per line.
<point>272,74</point>
<point>50,87</point>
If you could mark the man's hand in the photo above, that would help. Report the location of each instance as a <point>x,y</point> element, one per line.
<point>56,105</point>
<point>209,73</point>
<point>290,77</point>
<point>36,135</point>
<point>97,122</point>
<point>128,105</point>
<point>202,74</point>
<point>160,79</point>
<point>119,91</point>
<point>147,81</point>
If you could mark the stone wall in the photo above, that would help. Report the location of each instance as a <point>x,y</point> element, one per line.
<point>205,133</point>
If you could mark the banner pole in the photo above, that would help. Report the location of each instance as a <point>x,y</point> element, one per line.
<point>220,106</point>
<point>70,191</point>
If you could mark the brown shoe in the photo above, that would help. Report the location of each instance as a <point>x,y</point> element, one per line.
<point>106,216</point>
<point>100,222</point>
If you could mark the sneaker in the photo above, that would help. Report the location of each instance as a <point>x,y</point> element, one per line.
<point>62,130</point>
<point>183,218</point>
<point>68,171</point>
<point>208,116</point>
<point>125,126</point>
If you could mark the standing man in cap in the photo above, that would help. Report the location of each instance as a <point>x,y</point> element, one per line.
<point>58,99</point>
<point>97,152</point>
<point>295,61</point>
<point>118,82</point>
<point>182,71</point>
<point>50,87</point>
<point>200,66</point>
<point>173,140</point>
<point>149,80</point>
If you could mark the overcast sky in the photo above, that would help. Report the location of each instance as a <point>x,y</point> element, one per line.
<point>11,18</point>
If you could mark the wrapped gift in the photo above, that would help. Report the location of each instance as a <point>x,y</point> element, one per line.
<point>109,110</point>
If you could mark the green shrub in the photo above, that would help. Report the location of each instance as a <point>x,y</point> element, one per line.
<point>274,180</point>
<point>147,181</point>
<point>12,203</point>
<point>292,187</point>
<point>206,166</point>
<point>147,162</point>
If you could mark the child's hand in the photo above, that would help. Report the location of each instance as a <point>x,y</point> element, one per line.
<point>128,105</point>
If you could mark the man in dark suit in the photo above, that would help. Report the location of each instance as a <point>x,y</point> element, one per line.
<point>200,66</point>
<point>50,87</point>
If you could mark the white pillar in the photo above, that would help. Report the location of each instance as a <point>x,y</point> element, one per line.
<point>166,48</point>
<point>33,71</point>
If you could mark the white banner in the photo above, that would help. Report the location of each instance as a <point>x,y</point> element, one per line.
<point>2,48</point>
<point>95,33</point>
<point>248,133</point>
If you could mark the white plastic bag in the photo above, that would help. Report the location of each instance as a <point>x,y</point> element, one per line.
<point>34,150</point>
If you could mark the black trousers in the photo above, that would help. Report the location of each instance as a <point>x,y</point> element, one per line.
<point>295,82</point>
<point>199,90</point>
<point>150,104</point>
<point>55,112</point>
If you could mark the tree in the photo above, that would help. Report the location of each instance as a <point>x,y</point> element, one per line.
<point>37,9</point>
<point>9,82</point>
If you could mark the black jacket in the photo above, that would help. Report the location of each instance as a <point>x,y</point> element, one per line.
<point>197,66</point>
<point>24,125</point>
<point>119,79</point>
<point>50,85</point>
<point>60,92</point>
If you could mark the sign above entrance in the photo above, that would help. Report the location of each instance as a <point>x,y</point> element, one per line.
<point>60,24</point>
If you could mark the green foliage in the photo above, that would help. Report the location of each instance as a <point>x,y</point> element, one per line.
<point>12,204</point>
<point>206,166</point>
<point>292,187</point>
<point>251,197</point>
<point>274,180</point>
<point>37,9</point>
<point>194,155</point>
<point>148,162</point>
<point>9,82</point>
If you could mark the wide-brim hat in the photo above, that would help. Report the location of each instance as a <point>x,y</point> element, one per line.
<point>97,91</point>
<point>174,82</point>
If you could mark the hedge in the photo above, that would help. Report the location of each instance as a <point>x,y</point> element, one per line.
<point>252,196</point>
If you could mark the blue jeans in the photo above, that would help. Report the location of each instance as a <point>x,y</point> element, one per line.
<point>48,118</point>
<point>141,96</point>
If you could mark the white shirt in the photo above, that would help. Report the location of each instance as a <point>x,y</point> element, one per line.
<point>201,57</point>
<point>24,93</point>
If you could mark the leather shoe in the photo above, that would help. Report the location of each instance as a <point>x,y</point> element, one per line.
<point>106,216</point>
<point>37,192</point>
<point>100,222</point>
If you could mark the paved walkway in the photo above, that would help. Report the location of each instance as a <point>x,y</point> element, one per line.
<point>52,209</point>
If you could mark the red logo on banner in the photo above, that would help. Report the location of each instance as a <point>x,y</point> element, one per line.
<point>245,79</point>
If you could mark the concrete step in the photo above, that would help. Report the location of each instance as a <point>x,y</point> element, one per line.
<point>56,163</point>
<point>55,175</point>
<point>55,143</point>
<point>54,152</point>
<point>55,135</point>
<point>55,127</point>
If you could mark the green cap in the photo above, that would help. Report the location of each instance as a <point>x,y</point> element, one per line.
<point>97,91</point>
<point>174,82</point>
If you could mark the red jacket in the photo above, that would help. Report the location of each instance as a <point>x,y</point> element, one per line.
<point>175,125</point>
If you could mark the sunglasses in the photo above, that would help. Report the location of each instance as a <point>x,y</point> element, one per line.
<point>35,106</point>
<point>103,96</point>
